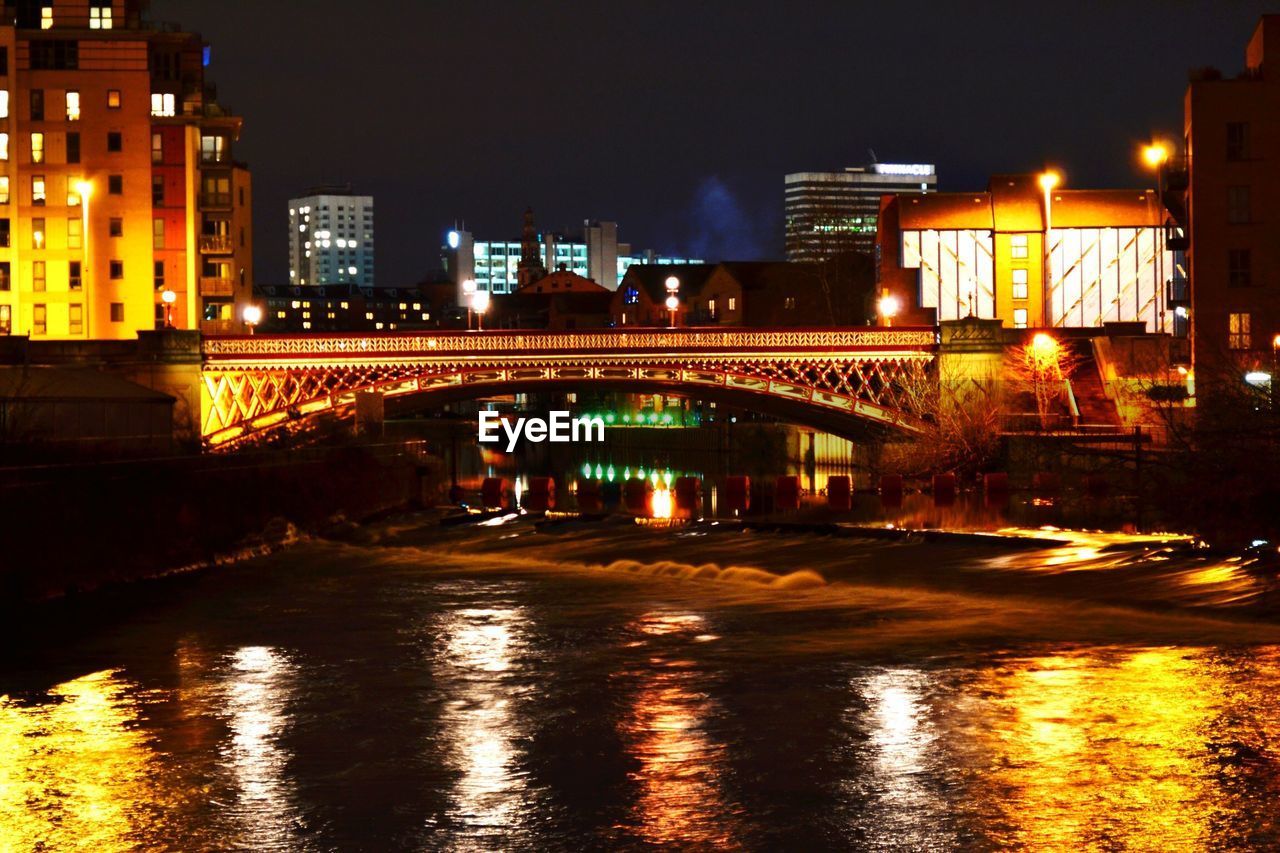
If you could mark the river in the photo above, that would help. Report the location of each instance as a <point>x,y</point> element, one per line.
<point>610,685</point>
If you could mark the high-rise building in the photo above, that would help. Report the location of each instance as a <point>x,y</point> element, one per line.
<point>121,206</point>
<point>331,238</point>
<point>495,265</point>
<point>1027,256</point>
<point>830,212</point>
<point>1231,210</point>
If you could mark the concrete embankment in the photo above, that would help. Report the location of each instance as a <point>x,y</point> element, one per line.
<point>71,529</point>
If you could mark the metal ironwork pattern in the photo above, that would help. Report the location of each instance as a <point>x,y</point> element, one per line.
<point>251,384</point>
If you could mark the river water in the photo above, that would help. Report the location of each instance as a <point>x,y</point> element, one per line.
<point>614,686</point>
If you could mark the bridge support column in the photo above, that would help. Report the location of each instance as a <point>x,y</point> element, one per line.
<point>971,360</point>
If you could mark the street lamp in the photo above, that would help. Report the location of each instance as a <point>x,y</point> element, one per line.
<point>480,303</point>
<point>1155,155</point>
<point>85,189</point>
<point>1048,181</point>
<point>468,293</point>
<point>168,297</point>
<point>887,308</point>
<point>673,305</point>
<point>252,316</point>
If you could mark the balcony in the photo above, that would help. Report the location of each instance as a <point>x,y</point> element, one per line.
<point>215,244</point>
<point>213,286</point>
<point>212,200</point>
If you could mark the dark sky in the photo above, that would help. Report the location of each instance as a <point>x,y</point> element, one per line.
<point>679,119</point>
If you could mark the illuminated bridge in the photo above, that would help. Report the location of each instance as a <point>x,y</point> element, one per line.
<point>840,380</point>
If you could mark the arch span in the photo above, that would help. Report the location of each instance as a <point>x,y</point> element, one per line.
<point>833,379</point>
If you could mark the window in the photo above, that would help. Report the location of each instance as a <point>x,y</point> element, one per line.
<point>157,148</point>
<point>1238,205</point>
<point>73,194</point>
<point>75,319</point>
<point>4,146</point>
<point>159,275</point>
<point>37,104</point>
<point>117,270</point>
<point>211,149</point>
<point>73,105</point>
<point>711,307</point>
<point>37,148</point>
<point>37,233</point>
<point>4,61</point>
<point>46,16</point>
<point>100,15</point>
<point>38,279</point>
<point>159,315</point>
<point>162,105</point>
<point>733,303</point>
<point>55,55</point>
<point>113,99</point>
<point>5,279</point>
<point>1018,246</point>
<point>115,227</point>
<point>39,320</point>
<point>6,319</point>
<point>115,184</point>
<point>75,232</point>
<point>4,232</point>
<point>73,275</point>
<point>37,189</point>
<point>4,103</point>
<point>1238,336</point>
<point>1240,268</point>
<point>157,190</point>
<point>4,189</point>
<point>1019,318</point>
<point>1019,284</point>
<point>73,148</point>
<point>1237,140</point>
<point>115,142</point>
<point>117,312</point>
<point>157,233</point>
<point>789,303</point>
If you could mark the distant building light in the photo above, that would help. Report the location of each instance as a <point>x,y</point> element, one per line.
<point>918,169</point>
<point>1257,377</point>
<point>454,239</point>
<point>1181,311</point>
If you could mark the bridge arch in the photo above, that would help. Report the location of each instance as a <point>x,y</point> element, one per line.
<point>840,380</point>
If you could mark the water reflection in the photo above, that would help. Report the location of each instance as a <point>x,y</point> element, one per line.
<point>680,767</point>
<point>74,769</point>
<point>258,687</point>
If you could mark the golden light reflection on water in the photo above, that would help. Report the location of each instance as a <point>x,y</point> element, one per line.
<point>678,798</point>
<point>74,769</point>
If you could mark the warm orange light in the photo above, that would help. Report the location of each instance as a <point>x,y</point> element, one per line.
<point>1154,154</point>
<point>85,189</point>
<point>1275,342</point>
<point>1044,344</point>
<point>888,306</point>
<point>661,503</point>
<point>1049,180</point>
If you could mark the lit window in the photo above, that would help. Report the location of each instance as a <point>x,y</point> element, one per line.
<point>733,303</point>
<point>37,233</point>
<point>789,303</point>
<point>39,319</point>
<point>46,17</point>
<point>4,103</point>
<point>37,148</point>
<point>37,189</point>
<point>1018,246</point>
<point>368,315</point>
<point>73,106</point>
<point>100,16</point>
<point>73,196</point>
<point>4,189</point>
<point>1238,334</point>
<point>75,319</point>
<point>75,232</point>
<point>4,146</point>
<point>1019,318</point>
<point>38,276</point>
<point>157,233</point>
<point>212,148</point>
<point>162,104</point>
<point>157,148</point>
<point>113,99</point>
<point>1019,284</point>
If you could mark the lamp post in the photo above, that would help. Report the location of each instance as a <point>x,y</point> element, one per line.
<point>469,293</point>
<point>168,297</point>
<point>887,308</point>
<point>252,316</point>
<point>480,303</point>
<point>1048,181</point>
<point>1155,155</point>
<point>673,305</point>
<point>85,189</point>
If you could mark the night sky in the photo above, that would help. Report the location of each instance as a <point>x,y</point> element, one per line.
<point>679,119</point>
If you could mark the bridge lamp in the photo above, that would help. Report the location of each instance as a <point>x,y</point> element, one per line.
<point>168,297</point>
<point>480,304</point>
<point>888,307</point>
<point>1044,344</point>
<point>673,305</point>
<point>673,284</point>
<point>252,316</point>
<point>1154,155</point>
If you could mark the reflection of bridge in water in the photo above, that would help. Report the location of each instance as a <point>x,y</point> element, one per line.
<point>840,380</point>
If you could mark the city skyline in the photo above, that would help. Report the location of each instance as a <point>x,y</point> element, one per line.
<point>633,100</point>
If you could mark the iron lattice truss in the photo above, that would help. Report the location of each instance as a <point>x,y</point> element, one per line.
<point>259,383</point>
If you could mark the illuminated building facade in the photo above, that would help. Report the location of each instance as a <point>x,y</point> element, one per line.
<point>1227,194</point>
<point>117,181</point>
<point>331,239</point>
<point>831,212</point>
<point>947,256</point>
<point>595,254</point>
